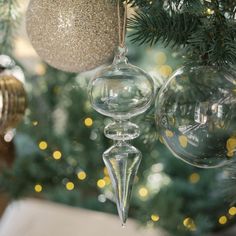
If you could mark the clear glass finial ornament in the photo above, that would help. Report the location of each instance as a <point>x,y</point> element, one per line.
<point>121,91</point>
<point>196,115</point>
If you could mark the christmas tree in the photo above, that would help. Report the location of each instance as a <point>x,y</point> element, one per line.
<point>60,143</point>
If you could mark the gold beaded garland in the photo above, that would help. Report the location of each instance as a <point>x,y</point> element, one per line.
<point>73,36</point>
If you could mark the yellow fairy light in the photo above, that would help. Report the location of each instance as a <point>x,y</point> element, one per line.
<point>107,180</point>
<point>88,122</point>
<point>189,224</point>
<point>70,186</point>
<point>222,220</point>
<point>183,140</point>
<point>210,12</point>
<point>35,123</point>
<point>230,154</point>
<point>232,211</point>
<point>57,155</point>
<point>38,188</point>
<point>81,175</point>
<point>194,178</point>
<point>169,134</point>
<point>105,171</point>
<point>143,192</point>
<point>161,139</point>
<point>43,145</point>
<point>101,183</point>
<point>155,217</point>
<point>165,71</point>
<point>231,146</point>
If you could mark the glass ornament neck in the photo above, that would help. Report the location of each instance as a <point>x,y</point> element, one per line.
<point>120,55</point>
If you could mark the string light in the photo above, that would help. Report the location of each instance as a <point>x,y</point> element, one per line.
<point>155,217</point>
<point>81,175</point>
<point>105,171</point>
<point>101,183</point>
<point>183,140</point>
<point>143,192</point>
<point>169,134</point>
<point>57,155</point>
<point>194,178</point>
<point>70,186</point>
<point>165,71</point>
<point>189,224</point>
<point>88,122</point>
<point>210,12</point>
<point>43,145</point>
<point>35,123</point>
<point>232,211</point>
<point>161,139</point>
<point>107,180</point>
<point>231,145</point>
<point>38,188</point>
<point>222,220</point>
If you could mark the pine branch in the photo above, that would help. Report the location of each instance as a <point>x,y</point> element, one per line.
<point>8,22</point>
<point>203,28</point>
<point>171,30</point>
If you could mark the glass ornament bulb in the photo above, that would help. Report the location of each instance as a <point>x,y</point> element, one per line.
<point>196,115</point>
<point>121,91</point>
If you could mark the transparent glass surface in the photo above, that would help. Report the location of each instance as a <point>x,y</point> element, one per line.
<point>196,115</point>
<point>122,161</point>
<point>121,90</point>
<point>121,130</point>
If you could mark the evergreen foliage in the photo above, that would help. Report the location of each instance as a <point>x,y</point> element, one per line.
<point>205,31</point>
<point>9,19</point>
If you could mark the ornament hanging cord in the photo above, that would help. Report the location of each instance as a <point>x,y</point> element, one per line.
<point>122,29</point>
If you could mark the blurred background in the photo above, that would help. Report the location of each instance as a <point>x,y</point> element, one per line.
<point>52,171</point>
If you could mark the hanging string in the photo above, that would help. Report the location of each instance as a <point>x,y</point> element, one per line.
<point>122,28</point>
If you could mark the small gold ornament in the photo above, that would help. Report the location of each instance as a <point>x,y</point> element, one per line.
<point>12,97</point>
<point>73,36</point>
<point>12,102</point>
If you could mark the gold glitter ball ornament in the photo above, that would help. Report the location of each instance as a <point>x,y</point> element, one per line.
<point>12,100</point>
<point>73,36</point>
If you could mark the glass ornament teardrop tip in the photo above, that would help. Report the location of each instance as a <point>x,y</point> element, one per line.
<point>122,161</point>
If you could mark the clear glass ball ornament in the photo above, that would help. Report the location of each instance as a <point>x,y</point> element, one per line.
<point>121,90</point>
<point>196,115</point>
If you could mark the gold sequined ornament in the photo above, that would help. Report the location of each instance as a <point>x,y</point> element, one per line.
<point>73,36</point>
<point>12,96</point>
<point>196,115</point>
